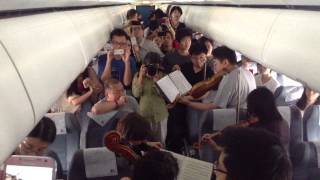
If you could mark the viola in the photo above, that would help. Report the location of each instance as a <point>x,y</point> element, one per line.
<point>242,124</point>
<point>114,143</point>
<point>202,87</point>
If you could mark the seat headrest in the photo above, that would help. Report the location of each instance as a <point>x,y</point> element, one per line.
<point>223,118</point>
<point>311,119</point>
<point>99,162</point>
<point>285,112</point>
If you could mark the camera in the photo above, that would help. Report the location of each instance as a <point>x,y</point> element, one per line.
<point>152,69</point>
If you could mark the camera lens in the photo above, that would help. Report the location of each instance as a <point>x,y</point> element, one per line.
<point>151,69</point>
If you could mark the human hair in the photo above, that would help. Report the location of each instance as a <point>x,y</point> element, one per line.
<point>73,88</point>
<point>183,32</point>
<point>253,154</point>
<point>261,103</point>
<point>224,52</point>
<point>131,13</point>
<point>159,13</point>
<point>118,32</point>
<point>153,25</point>
<point>152,58</point>
<point>110,83</point>
<point>156,165</point>
<point>135,128</point>
<point>302,102</point>
<point>45,130</point>
<point>176,8</point>
<point>197,48</point>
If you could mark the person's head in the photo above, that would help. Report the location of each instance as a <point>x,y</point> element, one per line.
<point>132,14</point>
<point>119,39</point>
<point>76,86</point>
<point>136,29</point>
<point>133,127</point>
<point>251,154</point>
<point>156,165</point>
<point>263,70</point>
<point>184,37</point>
<point>167,39</point>
<point>208,43</point>
<point>309,97</point>
<point>175,14</point>
<point>38,140</point>
<point>198,54</point>
<point>224,58</point>
<point>261,104</point>
<point>113,89</point>
<point>159,14</point>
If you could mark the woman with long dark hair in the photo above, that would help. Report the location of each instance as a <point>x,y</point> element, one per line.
<point>261,106</point>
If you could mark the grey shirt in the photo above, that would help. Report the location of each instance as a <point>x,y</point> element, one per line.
<point>147,46</point>
<point>227,94</point>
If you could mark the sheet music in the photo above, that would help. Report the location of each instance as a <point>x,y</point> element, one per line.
<point>168,88</point>
<point>181,82</point>
<point>191,169</point>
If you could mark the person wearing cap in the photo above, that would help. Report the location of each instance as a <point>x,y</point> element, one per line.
<point>152,105</point>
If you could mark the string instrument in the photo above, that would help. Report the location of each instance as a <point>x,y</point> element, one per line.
<point>242,124</point>
<point>114,143</point>
<point>202,87</point>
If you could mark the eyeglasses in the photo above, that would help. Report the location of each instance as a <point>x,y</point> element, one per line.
<point>215,168</point>
<point>120,43</point>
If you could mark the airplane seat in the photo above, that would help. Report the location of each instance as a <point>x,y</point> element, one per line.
<point>93,133</point>
<point>194,121</point>
<point>98,164</point>
<point>67,139</point>
<point>287,95</point>
<point>311,123</point>
<point>305,161</point>
<point>216,120</point>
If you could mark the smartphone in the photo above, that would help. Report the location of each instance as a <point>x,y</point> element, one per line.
<point>30,168</point>
<point>118,52</point>
<point>133,41</point>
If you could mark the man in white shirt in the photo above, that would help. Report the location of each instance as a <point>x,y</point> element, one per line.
<point>237,82</point>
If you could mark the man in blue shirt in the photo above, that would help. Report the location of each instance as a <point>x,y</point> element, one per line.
<point>118,65</point>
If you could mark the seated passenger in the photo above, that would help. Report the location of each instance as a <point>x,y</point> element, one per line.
<point>261,106</point>
<point>121,66</point>
<point>227,94</point>
<point>37,141</point>
<point>250,154</point>
<point>196,70</point>
<point>265,79</point>
<point>152,105</point>
<point>308,98</point>
<point>115,99</point>
<point>173,61</point>
<point>136,131</point>
<point>175,14</point>
<point>156,165</point>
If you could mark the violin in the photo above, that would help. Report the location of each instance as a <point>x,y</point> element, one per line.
<point>202,87</point>
<point>242,124</point>
<point>113,142</point>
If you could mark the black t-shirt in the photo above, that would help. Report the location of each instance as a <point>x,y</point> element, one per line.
<point>192,77</point>
<point>180,26</point>
<point>172,59</point>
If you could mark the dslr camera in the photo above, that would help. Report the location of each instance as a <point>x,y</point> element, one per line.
<point>152,69</point>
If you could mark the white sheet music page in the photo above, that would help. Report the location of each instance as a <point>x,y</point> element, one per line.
<point>168,88</point>
<point>192,169</point>
<point>181,82</point>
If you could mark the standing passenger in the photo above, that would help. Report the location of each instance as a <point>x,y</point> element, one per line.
<point>175,14</point>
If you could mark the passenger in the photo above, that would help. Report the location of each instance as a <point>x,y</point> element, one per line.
<point>209,45</point>
<point>196,70</point>
<point>265,79</point>
<point>309,97</point>
<point>175,14</point>
<point>250,154</point>
<point>136,131</point>
<point>121,67</point>
<point>248,64</point>
<point>132,15</point>
<point>228,94</point>
<point>173,61</point>
<point>144,45</point>
<point>115,99</point>
<point>152,105</point>
<point>261,106</point>
<point>152,30</point>
<point>37,141</point>
<point>156,165</point>
<point>167,42</point>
